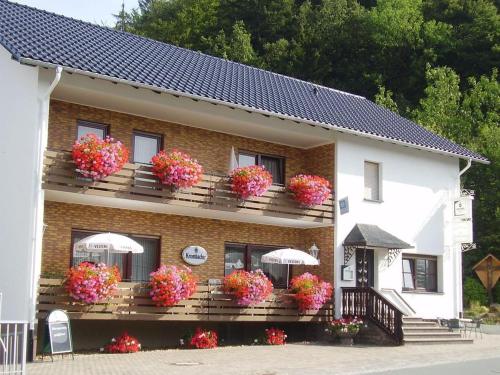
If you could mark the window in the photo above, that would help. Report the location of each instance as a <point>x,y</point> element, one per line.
<point>133,267</point>
<point>372,181</point>
<point>420,273</point>
<point>274,164</point>
<point>247,257</point>
<point>86,127</point>
<point>146,145</point>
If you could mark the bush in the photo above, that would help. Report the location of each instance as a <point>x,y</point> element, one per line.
<point>474,292</point>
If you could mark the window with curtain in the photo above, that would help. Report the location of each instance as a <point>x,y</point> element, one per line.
<point>133,267</point>
<point>247,257</point>
<point>372,181</point>
<point>88,127</point>
<point>274,164</point>
<point>146,145</point>
<point>420,273</point>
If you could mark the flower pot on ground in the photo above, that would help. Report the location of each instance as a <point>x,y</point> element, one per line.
<point>176,169</point>
<point>344,329</point>
<point>249,288</point>
<point>98,158</point>
<point>275,336</point>
<point>91,283</point>
<point>123,344</point>
<point>309,190</point>
<point>204,339</point>
<point>310,292</point>
<point>251,181</point>
<point>172,284</point>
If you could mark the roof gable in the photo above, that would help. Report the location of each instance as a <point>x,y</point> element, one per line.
<point>38,36</point>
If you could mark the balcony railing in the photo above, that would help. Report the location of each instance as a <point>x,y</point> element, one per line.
<point>136,182</point>
<point>209,303</point>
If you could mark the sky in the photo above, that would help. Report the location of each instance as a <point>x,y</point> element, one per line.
<point>95,11</point>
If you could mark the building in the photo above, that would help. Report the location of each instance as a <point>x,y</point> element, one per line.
<point>390,219</point>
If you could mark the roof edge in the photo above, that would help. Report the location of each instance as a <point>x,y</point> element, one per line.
<point>29,61</point>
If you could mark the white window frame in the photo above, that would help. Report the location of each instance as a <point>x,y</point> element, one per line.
<point>380,191</point>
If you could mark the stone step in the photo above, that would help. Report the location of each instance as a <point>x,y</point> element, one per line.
<point>436,341</point>
<point>424,329</point>
<point>423,323</point>
<point>431,335</point>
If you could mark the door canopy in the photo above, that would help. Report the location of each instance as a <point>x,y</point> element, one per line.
<point>371,236</point>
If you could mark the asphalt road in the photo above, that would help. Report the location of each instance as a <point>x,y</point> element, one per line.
<point>478,367</point>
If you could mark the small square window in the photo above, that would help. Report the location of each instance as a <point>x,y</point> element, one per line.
<point>372,181</point>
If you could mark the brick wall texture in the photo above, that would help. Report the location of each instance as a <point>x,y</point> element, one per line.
<point>212,149</point>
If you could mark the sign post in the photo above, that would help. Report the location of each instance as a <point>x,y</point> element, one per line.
<point>58,334</point>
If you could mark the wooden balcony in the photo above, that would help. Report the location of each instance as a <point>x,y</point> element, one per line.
<point>209,303</point>
<point>135,187</point>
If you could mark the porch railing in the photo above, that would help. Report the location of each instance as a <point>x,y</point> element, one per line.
<point>137,182</point>
<point>209,303</point>
<point>13,346</point>
<point>367,303</point>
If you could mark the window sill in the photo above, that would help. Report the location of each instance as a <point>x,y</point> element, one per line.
<point>373,200</point>
<point>421,292</point>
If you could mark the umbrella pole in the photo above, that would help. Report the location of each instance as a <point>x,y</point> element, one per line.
<point>287,274</point>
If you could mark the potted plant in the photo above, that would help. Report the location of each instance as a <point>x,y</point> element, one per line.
<point>344,329</point>
<point>310,292</point>
<point>98,158</point>
<point>249,288</point>
<point>171,284</point>
<point>275,336</point>
<point>309,190</point>
<point>123,344</point>
<point>204,339</point>
<point>91,283</point>
<point>251,181</point>
<point>176,169</point>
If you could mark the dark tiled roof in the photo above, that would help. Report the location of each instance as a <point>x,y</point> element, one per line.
<point>45,37</point>
<point>372,236</point>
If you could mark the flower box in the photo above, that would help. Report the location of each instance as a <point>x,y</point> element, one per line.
<point>176,169</point>
<point>310,292</point>
<point>309,190</point>
<point>249,288</point>
<point>172,284</point>
<point>251,181</point>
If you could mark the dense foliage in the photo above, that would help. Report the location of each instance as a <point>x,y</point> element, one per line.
<point>432,61</point>
<point>474,292</point>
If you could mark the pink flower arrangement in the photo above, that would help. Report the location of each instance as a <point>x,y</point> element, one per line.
<point>249,288</point>
<point>91,283</point>
<point>204,339</point>
<point>176,169</point>
<point>251,181</point>
<point>172,284</point>
<point>98,158</point>
<point>123,344</point>
<point>309,190</point>
<point>343,326</point>
<point>275,336</point>
<point>311,293</point>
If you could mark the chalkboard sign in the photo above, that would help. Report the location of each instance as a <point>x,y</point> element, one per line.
<point>59,332</point>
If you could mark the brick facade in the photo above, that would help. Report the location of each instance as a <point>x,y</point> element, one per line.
<point>176,233</point>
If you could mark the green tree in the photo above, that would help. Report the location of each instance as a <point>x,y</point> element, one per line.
<point>384,98</point>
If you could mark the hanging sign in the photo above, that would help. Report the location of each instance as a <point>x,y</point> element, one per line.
<point>194,255</point>
<point>59,332</point>
<point>462,220</point>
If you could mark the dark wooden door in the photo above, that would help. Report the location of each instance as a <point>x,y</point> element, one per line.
<point>365,268</point>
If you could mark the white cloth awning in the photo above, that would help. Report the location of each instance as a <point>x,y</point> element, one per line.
<point>289,256</point>
<point>108,242</point>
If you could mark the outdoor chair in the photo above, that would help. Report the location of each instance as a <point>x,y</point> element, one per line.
<point>474,325</point>
<point>457,324</point>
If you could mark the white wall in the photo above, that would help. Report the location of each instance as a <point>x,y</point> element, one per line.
<point>417,192</point>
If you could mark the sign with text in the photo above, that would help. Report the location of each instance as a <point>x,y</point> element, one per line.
<point>462,220</point>
<point>194,255</point>
<point>59,332</point>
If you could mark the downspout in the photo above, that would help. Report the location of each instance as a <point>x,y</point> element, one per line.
<point>469,163</point>
<point>43,113</point>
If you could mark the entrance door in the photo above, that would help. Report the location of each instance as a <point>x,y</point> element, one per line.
<point>365,268</point>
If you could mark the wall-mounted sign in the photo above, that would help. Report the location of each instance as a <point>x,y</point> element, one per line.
<point>347,273</point>
<point>194,255</point>
<point>344,205</point>
<point>462,220</point>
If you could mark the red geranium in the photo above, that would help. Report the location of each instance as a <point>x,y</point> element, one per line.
<point>123,344</point>
<point>204,339</point>
<point>249,288</point>
<point>172,284</point>
<point>251,181</point>
<point>275,336</point>
<point>309,190</point>
<point>176,169</point>
<point>98,158</point>
<point>311,293</point>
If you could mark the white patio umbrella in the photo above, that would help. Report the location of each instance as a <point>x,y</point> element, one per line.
<point>233,161</point>
<point>289,256</point>
<point>108,243</point>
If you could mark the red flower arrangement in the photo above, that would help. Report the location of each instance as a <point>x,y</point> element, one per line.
<point>344,326</point>
<point>123,344</point>
<point>251,181</point>
<point>249,288</point>
<point>204,339</point>
<point>275,336</point>
<point>176,169</point>
<point>309,190</point>
<point>311,293</point>
<point>98,158</point>
<point>91,283</point>
<point>172,284</point>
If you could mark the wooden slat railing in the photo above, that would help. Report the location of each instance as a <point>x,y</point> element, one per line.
<point>209,303</point>
<point>367,303</point>
<point>137,182</point>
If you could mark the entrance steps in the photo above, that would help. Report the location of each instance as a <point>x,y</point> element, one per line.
<point>425,331</point>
